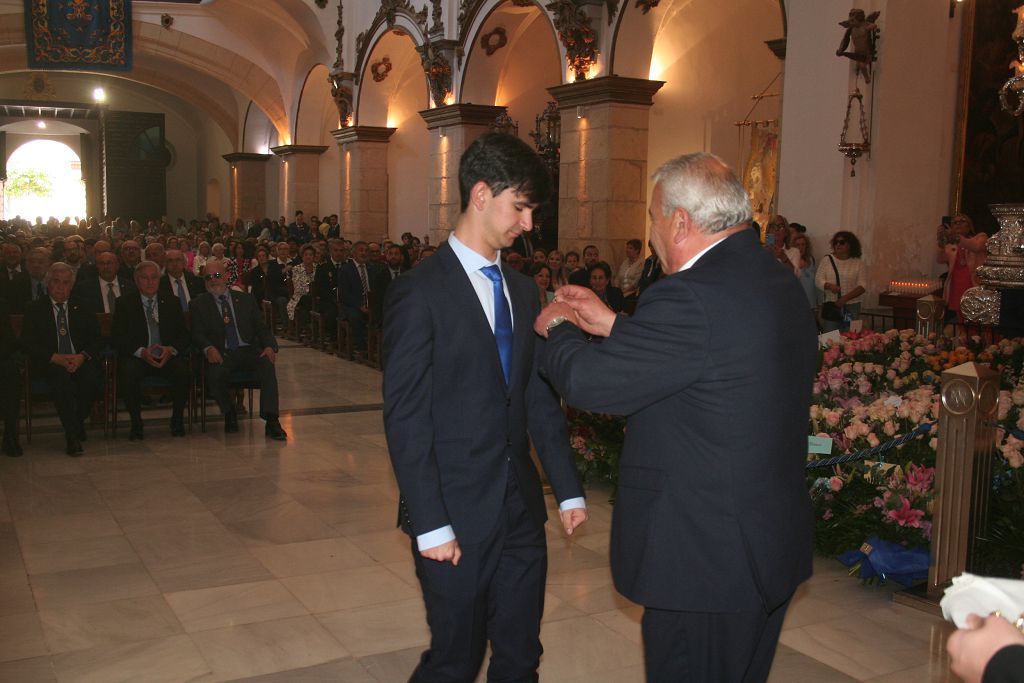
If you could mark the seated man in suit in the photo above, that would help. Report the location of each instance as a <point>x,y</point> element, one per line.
<point>354,286</point>
<point>131,255</point>
<point>279,274</point>
<point>178,282</point>
<point>229,329</point>
<point>10,384</point>
<point>325,285</point>
<point>62,340</point>
<point>150,336</point>
<point>29,286</point>
<point>101,293</point>
<point>582,276</point>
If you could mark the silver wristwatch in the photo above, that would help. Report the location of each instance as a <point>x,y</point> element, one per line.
<point>555,322</point>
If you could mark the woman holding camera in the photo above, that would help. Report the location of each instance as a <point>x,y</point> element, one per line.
<point>962,250</point>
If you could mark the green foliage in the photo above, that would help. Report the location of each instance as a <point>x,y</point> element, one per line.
<point>29,182</point>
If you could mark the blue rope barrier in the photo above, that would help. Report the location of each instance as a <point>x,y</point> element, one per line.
<point>920,430</point>
<point>1017,433</point>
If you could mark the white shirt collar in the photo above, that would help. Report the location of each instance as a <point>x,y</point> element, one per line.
<point>471,261</point>
<point>689,264</point>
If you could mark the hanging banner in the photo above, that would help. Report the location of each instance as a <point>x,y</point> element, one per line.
<point>760,174</point>
<point>84,35</point>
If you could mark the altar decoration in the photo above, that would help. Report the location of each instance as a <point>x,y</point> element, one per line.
<point>872,388</point>
<point>84,35</point>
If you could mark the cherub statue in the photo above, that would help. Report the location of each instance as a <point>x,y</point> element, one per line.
<point>860,31</point>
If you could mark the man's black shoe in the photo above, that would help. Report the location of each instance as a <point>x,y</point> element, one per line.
<point>231,422</point>
<point>177,427</point>
<point>135,433</point>
<point>275,431</point>
<point>74,448</point>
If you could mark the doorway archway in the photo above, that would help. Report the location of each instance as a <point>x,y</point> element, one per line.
<point>44,179</point>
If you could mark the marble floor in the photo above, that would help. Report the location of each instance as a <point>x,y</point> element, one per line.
<point>223,557</point>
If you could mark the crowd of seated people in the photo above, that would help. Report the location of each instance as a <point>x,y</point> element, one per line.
<point>123,268</point>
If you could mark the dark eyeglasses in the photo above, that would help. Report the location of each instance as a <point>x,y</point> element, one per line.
<point>838,242</point>
<point>211,276</point>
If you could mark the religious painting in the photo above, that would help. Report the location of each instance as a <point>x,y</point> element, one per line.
<point>761,171</point>
<point>84,35</point>
<point>991,165</point>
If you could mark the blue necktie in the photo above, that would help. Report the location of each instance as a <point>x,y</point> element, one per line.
<point>181,295</point>
<point>502,320</point>
<point>63,333</point>
<point>231,338</point>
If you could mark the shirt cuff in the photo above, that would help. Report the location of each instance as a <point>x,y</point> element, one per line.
<point>572,504</point>
<point>434,538</point>
<point>138,352</point>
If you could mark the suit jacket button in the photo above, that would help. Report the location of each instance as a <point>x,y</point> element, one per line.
<point>508,402</point>
<point>508,442</point>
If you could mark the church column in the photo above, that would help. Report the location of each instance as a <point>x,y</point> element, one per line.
<point>300,179</point>
<point>364,181</point>
<point>602,194</point>
<point>248,185</point>
<point>452,129</point>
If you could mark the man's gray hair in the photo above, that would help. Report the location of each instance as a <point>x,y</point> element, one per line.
<point>143,265</point>
<point>706,188</point>
<point>58,267</point>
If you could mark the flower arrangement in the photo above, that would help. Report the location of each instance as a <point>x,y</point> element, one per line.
<point>596,441</point>
<point>872,387</point>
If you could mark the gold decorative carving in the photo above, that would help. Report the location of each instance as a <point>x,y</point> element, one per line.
<point>438,69</point>
<point>339,40</point>
<point>38,87</point>
<point>342,94</point>
<point>387,14</point>
<point>646,5</point>
<point>381,69</point>
<point>437,26</point>
<point>167,21</point>
<point>577,35</point>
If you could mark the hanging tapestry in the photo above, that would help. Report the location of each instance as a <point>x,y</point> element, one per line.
<point>85,35</point>
<point>759,176</point>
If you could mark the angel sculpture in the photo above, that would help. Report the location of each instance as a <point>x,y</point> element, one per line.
<point>860,31</point>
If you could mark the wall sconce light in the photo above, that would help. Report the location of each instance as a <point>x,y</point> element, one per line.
<point>579,111</point>
<point>40,124</point>
<point>440,132</point>
<point>99,95</point>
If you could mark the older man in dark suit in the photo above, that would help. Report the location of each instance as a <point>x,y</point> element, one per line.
<point>30,285</point>
<point>462,401</point>
<point>228,328</point>
<point>100,294</point>
<point>178,282</point>
<point>62,340</point>
<point>712,526</point>
<point>150,336</point>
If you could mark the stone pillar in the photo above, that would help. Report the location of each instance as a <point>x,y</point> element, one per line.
<point>248,179</point>
<point>300,179</point>
<point>452,129</point>
<point>602,193</point>
<point>963,468</point>
<point>364,181</point>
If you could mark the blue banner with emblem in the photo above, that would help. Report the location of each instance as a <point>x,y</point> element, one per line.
<point>84,35</point>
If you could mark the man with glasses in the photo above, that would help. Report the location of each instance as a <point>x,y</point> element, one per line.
<point>228,328</point>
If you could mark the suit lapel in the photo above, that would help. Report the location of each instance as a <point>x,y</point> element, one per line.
<point>463,296</point>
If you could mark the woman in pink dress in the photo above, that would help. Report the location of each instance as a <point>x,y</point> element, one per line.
<point>962,250</point>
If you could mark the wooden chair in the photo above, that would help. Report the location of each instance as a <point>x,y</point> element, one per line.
<point>374,333</point>
<point>345,348</point>
<point>239,379</point>
<point>317,329</point>
<point>268,313</point>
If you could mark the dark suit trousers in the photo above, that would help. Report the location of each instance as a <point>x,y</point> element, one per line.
<point>702,646</point>
<point>243,358</point>
<point>73,393</point>
<point>329,313</point>
<point>10,395</point>
<point>357,319</point>
<point>131,370</point>
<point>496,592</point>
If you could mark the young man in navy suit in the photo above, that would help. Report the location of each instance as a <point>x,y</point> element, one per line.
<point>462,401</point>
<point>712,526</point>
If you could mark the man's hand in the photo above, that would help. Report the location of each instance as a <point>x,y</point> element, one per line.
<point>74,361</point>
<point>594,317</point>
<point>213,356</point>
<point>446,552</point>
<point>269,354</point>
<point>549,313</point>
<point>572,518</point>
<point>971,648</point>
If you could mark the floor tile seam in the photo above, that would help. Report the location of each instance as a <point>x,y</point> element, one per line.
<point>131,644</point>
<point>859,662</point>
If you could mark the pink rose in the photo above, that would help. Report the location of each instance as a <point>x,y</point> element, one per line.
<point>836,484</point>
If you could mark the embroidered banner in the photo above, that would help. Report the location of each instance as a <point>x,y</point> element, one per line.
<point>85,35</point>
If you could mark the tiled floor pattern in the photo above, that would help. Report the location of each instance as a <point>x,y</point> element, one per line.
<point>217,558</point>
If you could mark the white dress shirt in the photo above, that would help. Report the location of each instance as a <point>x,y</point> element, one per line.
<point>472,263</point>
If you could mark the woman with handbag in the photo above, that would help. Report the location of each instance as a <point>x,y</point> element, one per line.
<point>840,280</point>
